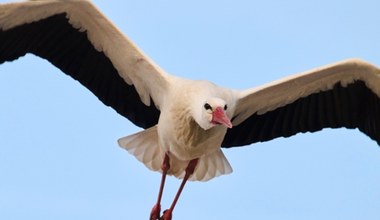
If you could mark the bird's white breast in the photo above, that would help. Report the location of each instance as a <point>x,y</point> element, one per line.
<point>178,132</point>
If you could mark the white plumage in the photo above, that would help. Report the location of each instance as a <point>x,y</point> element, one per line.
<point>186,120</point>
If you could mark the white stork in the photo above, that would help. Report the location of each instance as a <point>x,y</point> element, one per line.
<point>186,122</point>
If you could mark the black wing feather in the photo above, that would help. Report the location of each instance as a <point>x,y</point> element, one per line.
<point>69,49</point>
<point>353,106</point>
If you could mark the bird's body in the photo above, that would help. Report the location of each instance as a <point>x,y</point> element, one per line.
<point>186,122</point>
<point>179,133</point>
<point>178,130</point>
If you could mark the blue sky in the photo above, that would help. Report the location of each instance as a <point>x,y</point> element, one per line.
<point>58,153</point>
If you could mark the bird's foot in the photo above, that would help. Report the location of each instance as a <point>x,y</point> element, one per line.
<point>155,213</point>
<point>167,215</point>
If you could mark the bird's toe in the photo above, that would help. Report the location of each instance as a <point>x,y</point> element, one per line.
<point>167,215</point>
<point>155,213</point>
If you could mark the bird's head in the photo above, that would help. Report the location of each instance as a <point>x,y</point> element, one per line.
<point>213,113</point>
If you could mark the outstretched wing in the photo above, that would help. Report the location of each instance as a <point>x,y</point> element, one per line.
<point>79,40</point>
<point>345,94</point>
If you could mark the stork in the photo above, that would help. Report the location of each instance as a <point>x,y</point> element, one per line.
<point>185,122</point>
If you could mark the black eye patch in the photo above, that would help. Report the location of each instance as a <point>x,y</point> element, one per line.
<point>207,106</point>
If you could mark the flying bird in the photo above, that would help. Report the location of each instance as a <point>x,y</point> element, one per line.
<point>185,122</point>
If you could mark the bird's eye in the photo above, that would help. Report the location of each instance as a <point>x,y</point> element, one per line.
<point>225,107</point>
<point>207,106</point>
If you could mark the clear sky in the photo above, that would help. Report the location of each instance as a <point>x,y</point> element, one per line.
<point>58,153</point>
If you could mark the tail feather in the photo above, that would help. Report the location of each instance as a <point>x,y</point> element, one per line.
<point>210,166</point>
<point>144,146</point>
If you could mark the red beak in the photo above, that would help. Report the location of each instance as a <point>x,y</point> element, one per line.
<point>219,117</point>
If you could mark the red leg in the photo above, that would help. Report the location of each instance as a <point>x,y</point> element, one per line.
<point>155,213</point>
<point>189,171</point>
